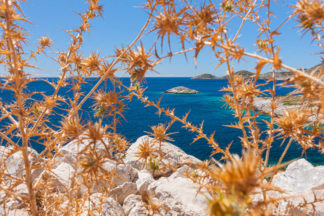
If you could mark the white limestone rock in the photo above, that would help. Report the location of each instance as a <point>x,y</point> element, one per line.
<point>182,171</point>
<point>145,178</point>
<point>176,193</point>
<point>134,206</point>
<point>98,204</point>
<point>69,152</point>
<point>4,151</point>
<point>14,212</point>
<point>10,205</point>
<point>61,176</point>
<point>14,163</point>
<point>111,207</point>
<point>109,165</point>
<point>103,206</point>
<point>299,176</point>
<point>125,173</point>
<point>301,180</point>
<point>120,192</point>
<point>179,195</point>
<point>174,156</point>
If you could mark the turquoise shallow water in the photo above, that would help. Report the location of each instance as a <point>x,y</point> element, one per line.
<point>208,106</point>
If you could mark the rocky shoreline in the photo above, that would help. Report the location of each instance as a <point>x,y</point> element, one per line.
<point>174,190</point>
<point>263,104</point>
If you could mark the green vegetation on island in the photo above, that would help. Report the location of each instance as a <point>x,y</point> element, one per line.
<point>205,76</point>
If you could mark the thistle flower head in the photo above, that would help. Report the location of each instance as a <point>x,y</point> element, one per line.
<point>45,41</point>
<point>119,145</point>
<point>72,127</point>
<point>293,122</point>
<point>310,14</point>
<point>240,174</point>
<point>159,133</point>
<point>106,99</point>
<point>95,132</point>
<point>93,62</point>
<point>145,150</point>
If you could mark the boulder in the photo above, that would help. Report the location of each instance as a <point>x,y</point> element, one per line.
<point>14,212</point>
<point>145,178</point>
<point>76,147</point>
<point>183,171</point>
<point>103,206</point>
<point>181,90</point>
<point>109,165</point>
<point>174,156</point>
<point>99,205</point>
<point>111,207</point>
<point>61,176</point>
<point>14,205</point>
<point>125,173</point>
<point>179,195</point>
<point>302,183</point>
<point>65,163</point>
<point>299,176</point>
<point>120,192</point>
<point>14,162</point>
<point>134,206</point>
<point>4,151</point>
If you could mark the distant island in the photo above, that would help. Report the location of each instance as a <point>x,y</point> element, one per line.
<point>279,75</point>
<point>283,75</point>
<point>244,73</point>
<point>205,76</point>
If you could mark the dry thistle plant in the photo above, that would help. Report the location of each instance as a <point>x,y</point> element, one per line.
<point>207,27</point>
<point>93,164</point>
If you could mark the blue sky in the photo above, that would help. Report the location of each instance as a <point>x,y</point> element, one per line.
<point>122,21</point>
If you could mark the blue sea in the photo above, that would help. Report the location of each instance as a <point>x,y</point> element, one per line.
<point>207,106</point>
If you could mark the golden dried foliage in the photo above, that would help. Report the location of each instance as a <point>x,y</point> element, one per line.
<point>229,187</point>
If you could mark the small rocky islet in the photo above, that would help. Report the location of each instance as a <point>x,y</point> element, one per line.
<point>181,90</point>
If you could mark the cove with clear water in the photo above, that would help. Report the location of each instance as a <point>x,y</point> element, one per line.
<point>207,106</point>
